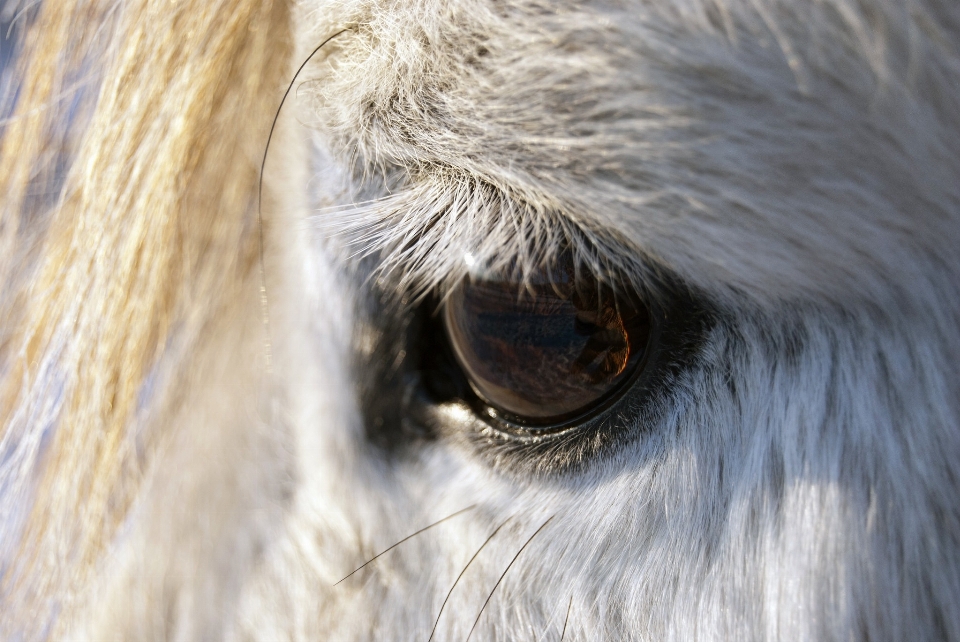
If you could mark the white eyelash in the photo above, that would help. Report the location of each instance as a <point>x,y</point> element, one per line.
<point>430,235</point>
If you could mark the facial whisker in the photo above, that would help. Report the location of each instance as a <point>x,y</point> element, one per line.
<point>457,581</point>
<point>563,634</point>
<point>264,303</point>
<point>504,574</point>
<point>273,126</point>
<point>408,537</point>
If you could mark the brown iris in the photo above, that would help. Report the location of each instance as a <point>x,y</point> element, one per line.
<point>548,349</point>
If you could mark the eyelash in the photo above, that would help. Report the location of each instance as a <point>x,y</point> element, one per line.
<point>420,232</point>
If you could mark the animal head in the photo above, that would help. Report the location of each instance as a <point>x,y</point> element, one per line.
<point>509,320</point>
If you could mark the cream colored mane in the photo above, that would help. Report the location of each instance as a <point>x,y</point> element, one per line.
<point>156,214</point>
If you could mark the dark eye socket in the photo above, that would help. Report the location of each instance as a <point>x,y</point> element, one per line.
<point>549,350</point>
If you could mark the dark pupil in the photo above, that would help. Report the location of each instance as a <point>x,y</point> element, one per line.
<point>547,350</point>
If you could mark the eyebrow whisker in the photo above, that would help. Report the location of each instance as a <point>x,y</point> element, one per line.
<point>408,537</point>
<point>504,574</point>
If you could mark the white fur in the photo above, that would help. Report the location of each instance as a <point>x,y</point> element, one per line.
<point>794,162</point>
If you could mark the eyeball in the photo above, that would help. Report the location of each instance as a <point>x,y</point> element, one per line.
<point>549,349</point>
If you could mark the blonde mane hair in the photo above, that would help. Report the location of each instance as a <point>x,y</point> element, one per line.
<point>159,110</point>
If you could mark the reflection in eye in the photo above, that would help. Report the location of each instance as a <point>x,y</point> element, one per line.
<point>549,349</point>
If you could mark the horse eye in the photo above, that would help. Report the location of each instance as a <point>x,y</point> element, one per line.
<point>550,349</point>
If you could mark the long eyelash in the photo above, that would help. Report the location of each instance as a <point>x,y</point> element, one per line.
<point>504,574</point>
<point>408,537</point>
<point>457,581</point>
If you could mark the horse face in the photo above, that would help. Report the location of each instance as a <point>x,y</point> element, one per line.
<point>621,321</point>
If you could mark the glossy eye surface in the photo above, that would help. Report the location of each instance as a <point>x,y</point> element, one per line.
<point>547,350</point>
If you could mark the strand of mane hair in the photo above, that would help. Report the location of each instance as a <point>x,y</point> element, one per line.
<point>152,215</point>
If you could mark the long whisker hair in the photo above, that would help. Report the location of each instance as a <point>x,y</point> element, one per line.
<point>504,574</point>
<point>457,581</point>
<point>563,633</point>
<point>408,537</point>
<point>264,303</point>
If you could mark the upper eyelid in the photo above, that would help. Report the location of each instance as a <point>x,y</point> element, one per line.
<point>422,236</point>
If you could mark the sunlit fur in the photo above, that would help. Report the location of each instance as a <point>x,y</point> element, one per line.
<point>185,454</point>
